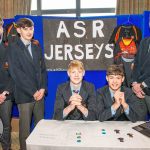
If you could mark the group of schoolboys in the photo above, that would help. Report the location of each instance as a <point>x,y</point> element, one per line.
<point>23,74</point>
<point>77,100</point>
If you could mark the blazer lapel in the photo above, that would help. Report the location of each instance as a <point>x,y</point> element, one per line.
<point>34,58</point>
<point>83,93</point>
<point>110,102</point>
<point>29,57</point>
<point>67,92</point>
<point>108,97</point>
<point>26,51</point>
<point>34,55</point>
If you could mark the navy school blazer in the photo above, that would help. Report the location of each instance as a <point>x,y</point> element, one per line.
<point>87,92</point>
<point>137,108</point>
<point>29,74</point>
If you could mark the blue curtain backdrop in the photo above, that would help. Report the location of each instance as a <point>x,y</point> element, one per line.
<point>96,77</point>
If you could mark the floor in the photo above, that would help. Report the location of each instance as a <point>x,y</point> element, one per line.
<point>15,141</point>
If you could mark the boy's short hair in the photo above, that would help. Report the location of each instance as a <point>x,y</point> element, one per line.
<point>24,22</point>
<point>76,64</point>
<point>115,70</point>
<point>1,21</point>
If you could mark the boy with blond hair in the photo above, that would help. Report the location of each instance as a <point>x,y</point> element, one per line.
<point>75,99</point>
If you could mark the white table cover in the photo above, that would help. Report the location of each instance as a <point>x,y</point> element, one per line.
<point>86,135</point>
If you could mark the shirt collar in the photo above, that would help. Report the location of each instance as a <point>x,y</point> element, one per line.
<point>111,92</point>
<point>25,42</point>
<point>75,88</point>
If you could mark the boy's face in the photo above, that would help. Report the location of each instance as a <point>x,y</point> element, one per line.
<point>115,81</point>
<point>1,29</point>
<point>26,33</point>
<point>76,75</point>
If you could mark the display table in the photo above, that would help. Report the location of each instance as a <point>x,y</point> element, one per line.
<point>86,135</point>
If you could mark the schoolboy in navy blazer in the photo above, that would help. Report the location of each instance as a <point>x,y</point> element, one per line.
<point>28,71</point>
<point>6,89</point>
<point>75,99</point>
<point>116,102</point>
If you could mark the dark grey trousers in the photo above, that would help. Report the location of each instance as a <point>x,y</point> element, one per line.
<point>5,115</point>
<point>25,116</point>
<point>147,101</point>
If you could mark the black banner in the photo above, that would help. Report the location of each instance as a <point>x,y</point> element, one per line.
<point>85,40</point>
